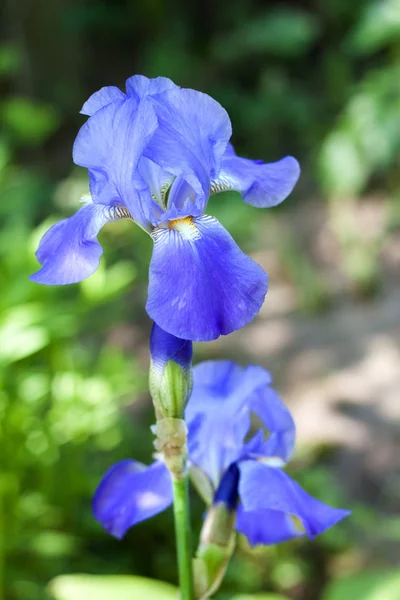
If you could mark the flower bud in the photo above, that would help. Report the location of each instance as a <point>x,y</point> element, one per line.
<point>217,538</point>
<point>170,373</point>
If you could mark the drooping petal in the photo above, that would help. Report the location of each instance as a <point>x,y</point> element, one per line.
<point>219,412</point>
<point>129,493</point>
<point>266,526</point>
<point>69,250</point>
<point>262,487</point>
<point>191,139</point>
<point>99,99</point>
<point>142,86</point>
<point>277,419</point>
<point>110,144</point>
<point>201,284</point>
<point>260,184</point>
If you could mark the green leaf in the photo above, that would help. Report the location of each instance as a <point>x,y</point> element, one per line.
<point>342,169</point>
<point>377,585</point>
<point>20,333</point>
<point>378,27</point>
<point>110,587</point>
<point>259,597</point>
<point>282,32</point>
<point>10,60</point>
<point>106,283</point>
<point>29,121</point>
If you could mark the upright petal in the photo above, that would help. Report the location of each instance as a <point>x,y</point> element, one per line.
<point>142,86</point>
<point>215,443</point>
<point>222,385</point>
<point>218,414</point>
<point>201,284</point>
<point>277,419</point>
<point>266,526</point>
<point>129,493</point>
<point>191,139</point>
<point>69,250</point>
<point>110,144</point>
<point>227,492</point>
<point>101,98</point>
<point>262,487</point>
<point>260,184</point>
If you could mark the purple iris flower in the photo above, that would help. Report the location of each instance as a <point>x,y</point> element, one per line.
<point>238,468</point>
<point>154,155</point>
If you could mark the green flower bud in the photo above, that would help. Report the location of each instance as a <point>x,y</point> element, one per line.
<point>217,543</point>
<point>170,378</point>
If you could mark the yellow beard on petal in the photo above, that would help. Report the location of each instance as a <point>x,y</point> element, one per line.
<point>186,228</point>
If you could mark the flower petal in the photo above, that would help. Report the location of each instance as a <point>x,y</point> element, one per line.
<point>69,250</point>
<point>110,144</point>
<point>142,86</point>
<point>191,139</point>
<point>218,414</point>
<point>223,385</point>
<point>201,284</point>
<point>165,347</point>
<point>263,487</point>
<point>277,419</point>
<point>260,184</point>
<point>129,493</point>
<point>266,526</point>
<point>101,98</point>
<point>216,443</point>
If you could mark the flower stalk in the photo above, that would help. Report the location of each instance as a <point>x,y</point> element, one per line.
<point>183,538</point>
<point>171,436</point>
<point>170,381</point>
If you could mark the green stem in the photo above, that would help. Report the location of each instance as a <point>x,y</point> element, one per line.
<point>182,532</point>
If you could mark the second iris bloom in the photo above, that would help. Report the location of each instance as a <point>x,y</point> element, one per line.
<point>240,437</point>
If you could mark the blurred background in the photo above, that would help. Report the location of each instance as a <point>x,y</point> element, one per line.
<point>316,79</point>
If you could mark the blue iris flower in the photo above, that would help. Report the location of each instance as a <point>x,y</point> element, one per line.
<point>229,462</point>
<point>154,155</point>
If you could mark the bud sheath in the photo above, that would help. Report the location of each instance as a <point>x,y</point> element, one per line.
<point>217,538</point>
<point>170,373</point>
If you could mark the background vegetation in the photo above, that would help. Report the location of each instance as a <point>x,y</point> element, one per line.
<point>316,79</point>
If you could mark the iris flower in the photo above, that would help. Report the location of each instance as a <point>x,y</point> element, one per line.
<point>230,463</point>
<point>154,155</point>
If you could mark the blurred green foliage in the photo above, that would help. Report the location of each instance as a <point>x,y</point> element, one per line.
<point>85,587</point>
<point>319,80</point>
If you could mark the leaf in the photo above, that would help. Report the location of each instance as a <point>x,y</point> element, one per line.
<point>259,597</point>
<point>378,27</point>
<point>20,333</point>
<point>377,585</point>
<point>106,283</point>
<point>281,32</point>
<point>342,169</point>
<point>29,121</point>
<point>110,587</point>
<point>10,60</point>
